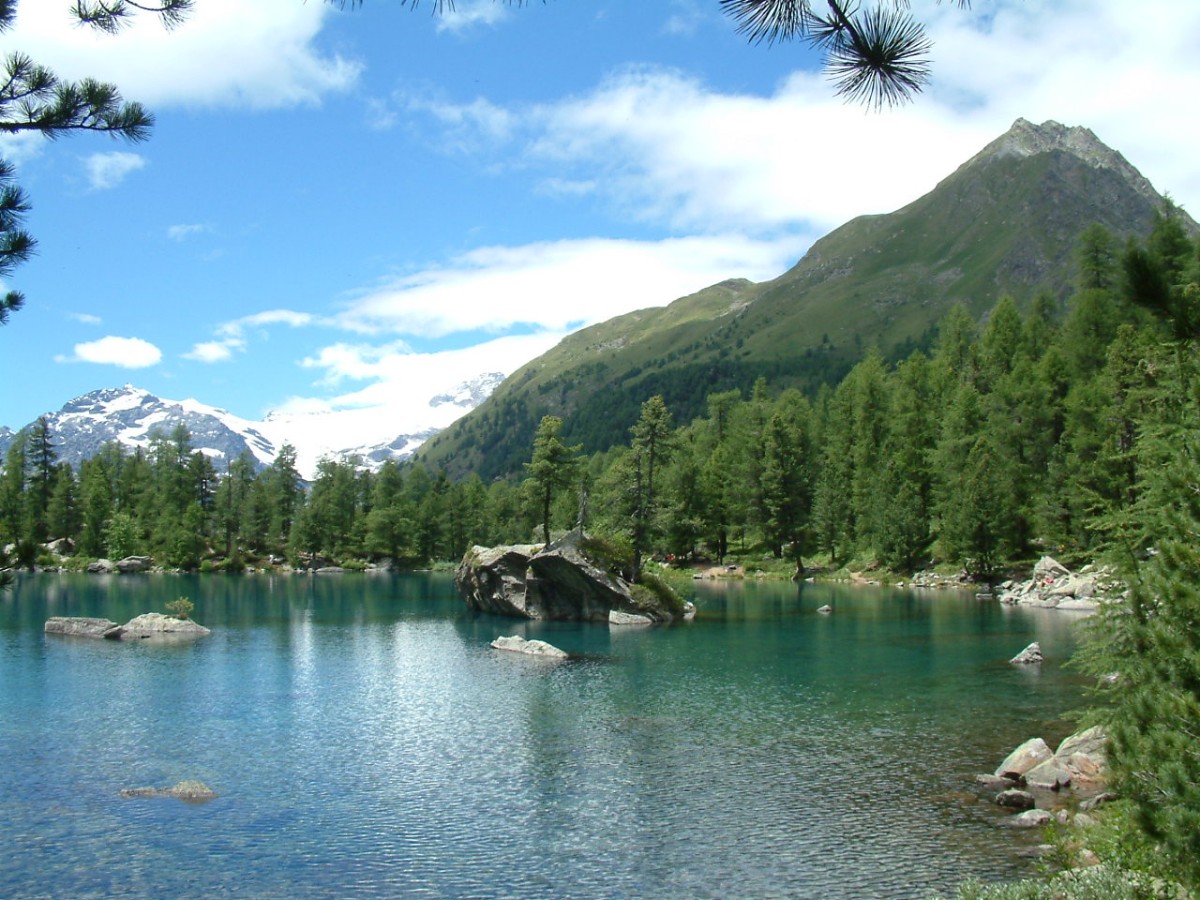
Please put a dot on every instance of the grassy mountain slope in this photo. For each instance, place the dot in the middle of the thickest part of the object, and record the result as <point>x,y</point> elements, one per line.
<point>1006,222</point>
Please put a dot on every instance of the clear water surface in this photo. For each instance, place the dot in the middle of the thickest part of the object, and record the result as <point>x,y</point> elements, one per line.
<point>365,741</point>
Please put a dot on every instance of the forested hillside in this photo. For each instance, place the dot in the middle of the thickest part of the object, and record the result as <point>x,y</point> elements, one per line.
<point>1004,440</point>
<point>1006,223</point>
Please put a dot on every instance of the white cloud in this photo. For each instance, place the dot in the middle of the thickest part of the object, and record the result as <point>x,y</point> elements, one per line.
<point>183,232</point>
<point>559,285</point>
<point>107,170</point>
<point>660,146</point>
<point>214,351</point>
<point>232,336</point>
<point>127,353</point>
<point>238,327</point>
<point>472,14</point>
<point>86,318</point>
<point>227,53</point>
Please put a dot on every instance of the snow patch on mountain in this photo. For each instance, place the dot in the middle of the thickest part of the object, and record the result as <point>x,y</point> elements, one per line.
<point>368,436</point>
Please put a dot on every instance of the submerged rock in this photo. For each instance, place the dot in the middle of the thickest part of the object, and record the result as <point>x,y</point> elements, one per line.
<point>192,791</point>
<point>1031,818</point>
<point>1014,798</point>
<point>518,644</point>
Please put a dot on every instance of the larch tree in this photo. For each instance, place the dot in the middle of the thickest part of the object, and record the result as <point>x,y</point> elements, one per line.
<point>652,445</point>
<point>552,469</point>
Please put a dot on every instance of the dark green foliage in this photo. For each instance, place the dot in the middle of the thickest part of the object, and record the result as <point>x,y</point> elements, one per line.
<point>552,469</point>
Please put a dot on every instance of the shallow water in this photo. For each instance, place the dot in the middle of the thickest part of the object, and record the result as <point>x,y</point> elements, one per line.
<point>365,741</point>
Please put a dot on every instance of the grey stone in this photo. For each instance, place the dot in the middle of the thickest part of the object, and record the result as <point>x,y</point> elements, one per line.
<point>1052,775</point>
<point>1032,818</point>
<point>101,567</point>
<point>1031,655</point>
<point>557,581</point>
<point>518,644</point>
<point>161,626</point>
<point>1015,798</point>
<point>617,617</point>
<point>82,626</point>
<point>132,565</point>
<point>1033,752</point>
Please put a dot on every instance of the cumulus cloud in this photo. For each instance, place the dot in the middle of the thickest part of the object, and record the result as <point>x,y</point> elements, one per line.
<point>233,336</point>
<point>124,352</point>
<point>560,284</point>
<point>660,146</point>
<point>107,170</point>
<point>214,351</point>
<point>472,14</point>
<point>401,380</point>
<point>227,53</point>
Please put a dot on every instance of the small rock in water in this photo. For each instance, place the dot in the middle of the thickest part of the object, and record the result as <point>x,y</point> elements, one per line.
<point>1033,818</point>
<point>518,644</point>
<point>826,609</point>
<point>1031,655</point>
<point>1015,799</point>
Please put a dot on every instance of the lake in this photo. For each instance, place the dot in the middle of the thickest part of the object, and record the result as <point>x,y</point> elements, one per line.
<point>365,741</point>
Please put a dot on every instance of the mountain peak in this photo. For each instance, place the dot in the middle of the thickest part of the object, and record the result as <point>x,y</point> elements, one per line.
<point>1026,139</point>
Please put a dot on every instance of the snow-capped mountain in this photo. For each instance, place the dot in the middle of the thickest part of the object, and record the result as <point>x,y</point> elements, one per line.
<point>134,416</point>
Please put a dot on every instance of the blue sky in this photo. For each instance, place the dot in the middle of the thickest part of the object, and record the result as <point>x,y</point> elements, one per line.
<point>349,209</point>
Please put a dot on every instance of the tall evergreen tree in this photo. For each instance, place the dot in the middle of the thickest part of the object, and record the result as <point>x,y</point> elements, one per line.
<point>652,445</point>
<point>552,469</point>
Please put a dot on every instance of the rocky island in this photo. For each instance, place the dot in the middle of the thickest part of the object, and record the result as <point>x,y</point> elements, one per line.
<point>563,580</point>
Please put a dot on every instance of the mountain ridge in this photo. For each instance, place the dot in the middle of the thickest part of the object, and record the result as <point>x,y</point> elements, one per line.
<point>1006,221</point>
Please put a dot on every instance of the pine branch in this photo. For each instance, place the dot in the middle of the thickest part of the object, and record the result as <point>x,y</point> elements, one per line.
<point>112,15</point>
<point>877,57</point>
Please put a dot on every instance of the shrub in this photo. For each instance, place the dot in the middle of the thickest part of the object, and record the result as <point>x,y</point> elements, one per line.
<point>181,608</point>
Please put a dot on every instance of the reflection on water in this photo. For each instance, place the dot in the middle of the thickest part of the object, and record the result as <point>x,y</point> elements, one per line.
<point>365,741</point>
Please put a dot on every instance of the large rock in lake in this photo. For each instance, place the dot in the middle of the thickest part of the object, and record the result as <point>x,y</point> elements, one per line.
<point>159,625</point>
<point>556,581</point>
<point>82,626</point>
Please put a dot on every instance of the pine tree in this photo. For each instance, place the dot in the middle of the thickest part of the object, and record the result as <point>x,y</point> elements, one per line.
<point>552,469</point>
<point>652,445</point>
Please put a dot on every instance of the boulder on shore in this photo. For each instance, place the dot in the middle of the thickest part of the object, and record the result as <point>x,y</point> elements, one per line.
<point>1054,586</point>
<point>1078,764</point>
<point>134,564</point>
<point>557,581</point>
<point>518,644</point>
<point>1032,753</point>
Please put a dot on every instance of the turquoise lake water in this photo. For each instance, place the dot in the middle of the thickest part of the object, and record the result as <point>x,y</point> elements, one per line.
<point>365,741</point>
